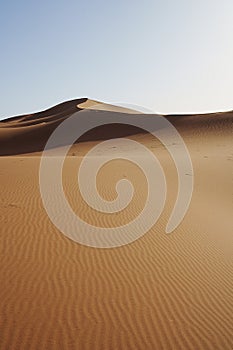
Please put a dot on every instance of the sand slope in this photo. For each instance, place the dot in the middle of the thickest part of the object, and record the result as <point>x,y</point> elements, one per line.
<point>29,133</point>
<point>160,292</point>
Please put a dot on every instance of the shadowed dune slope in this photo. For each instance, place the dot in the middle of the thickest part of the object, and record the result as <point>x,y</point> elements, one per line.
<point>29,133</point>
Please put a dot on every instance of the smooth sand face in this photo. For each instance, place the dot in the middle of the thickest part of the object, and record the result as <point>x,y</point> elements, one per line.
<point>160,292</point>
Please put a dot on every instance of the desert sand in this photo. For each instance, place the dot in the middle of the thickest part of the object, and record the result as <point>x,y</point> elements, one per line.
<point>160,292</point>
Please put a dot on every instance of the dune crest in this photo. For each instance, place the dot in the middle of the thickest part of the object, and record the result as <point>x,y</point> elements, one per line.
<point>29,133</point>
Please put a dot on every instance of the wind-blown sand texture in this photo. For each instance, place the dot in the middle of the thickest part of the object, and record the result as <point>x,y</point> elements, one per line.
<point>160,292</point>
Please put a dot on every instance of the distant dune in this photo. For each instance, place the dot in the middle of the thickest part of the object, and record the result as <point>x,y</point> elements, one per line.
<point>29,133</point>
<point>160,292</point>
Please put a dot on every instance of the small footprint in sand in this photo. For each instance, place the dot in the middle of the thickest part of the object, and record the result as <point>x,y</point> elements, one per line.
<point>13,205</point>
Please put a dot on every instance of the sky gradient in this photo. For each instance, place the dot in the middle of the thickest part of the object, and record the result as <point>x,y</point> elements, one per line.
<point>171,56</point>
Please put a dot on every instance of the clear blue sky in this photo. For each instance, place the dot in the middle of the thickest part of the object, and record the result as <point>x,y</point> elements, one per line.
<point>167,55</point>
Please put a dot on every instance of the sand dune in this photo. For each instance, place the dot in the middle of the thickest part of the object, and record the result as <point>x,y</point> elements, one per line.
<point>29,133</point>
<point>160,292</point>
